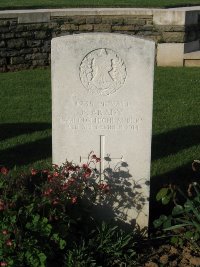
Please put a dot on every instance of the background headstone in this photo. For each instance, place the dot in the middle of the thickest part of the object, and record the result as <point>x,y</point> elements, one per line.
<point>102,92</point>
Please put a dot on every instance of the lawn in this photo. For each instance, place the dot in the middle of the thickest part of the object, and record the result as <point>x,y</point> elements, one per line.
<point>13,4</point>
<point>25,131</point>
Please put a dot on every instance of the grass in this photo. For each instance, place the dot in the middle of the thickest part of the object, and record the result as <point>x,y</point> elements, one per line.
<point>25,129</point>
<point>17,4</point>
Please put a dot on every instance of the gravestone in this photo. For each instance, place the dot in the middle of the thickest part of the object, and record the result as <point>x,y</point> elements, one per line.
<point>102,92</point>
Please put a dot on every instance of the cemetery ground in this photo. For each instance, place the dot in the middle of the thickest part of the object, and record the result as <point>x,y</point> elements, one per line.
<point>4,4</point>
<point>25,136</point>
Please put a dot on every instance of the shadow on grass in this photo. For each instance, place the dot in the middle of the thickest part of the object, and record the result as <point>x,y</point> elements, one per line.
<point>175,140</point>
<point>27,153</point>
<point>9,130</point>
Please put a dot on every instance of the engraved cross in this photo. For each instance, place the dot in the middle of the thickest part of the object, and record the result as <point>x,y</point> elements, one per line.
<point>103,157</point>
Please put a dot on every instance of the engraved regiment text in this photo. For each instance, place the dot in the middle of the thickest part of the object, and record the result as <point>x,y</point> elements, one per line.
<point>101,115</point>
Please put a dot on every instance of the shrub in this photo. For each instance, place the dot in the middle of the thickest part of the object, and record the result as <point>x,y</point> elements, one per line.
<point>45,219</point>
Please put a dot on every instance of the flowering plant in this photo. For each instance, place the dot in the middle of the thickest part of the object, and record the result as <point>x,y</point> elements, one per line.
<point>40,211</point>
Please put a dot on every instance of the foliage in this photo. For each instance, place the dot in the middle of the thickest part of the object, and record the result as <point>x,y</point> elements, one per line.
<point>184,220</point>
<point>106,246</point>
<point>45,219</point>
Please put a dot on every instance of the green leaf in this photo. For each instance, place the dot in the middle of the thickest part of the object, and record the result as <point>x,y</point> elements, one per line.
<point>175,240</point>
<point>62,244</point>
<point>189,234</point>
<point>177,226</point>
<point>178,209</point>
<point>166,199</point>
<point>162,193</point>
<point>42,258</point>
<point>157,223</point>
<point>168,222</point>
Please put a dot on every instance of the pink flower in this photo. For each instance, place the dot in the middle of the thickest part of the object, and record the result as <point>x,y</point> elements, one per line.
<point>74,200</point>
<point>48,192</point>
<point>98,159</point>
<point>3,263</point>
<point>104,187</point>
<point>55,202</point>
<point>5,232</point>
<point>45,171</point>
<point>34,172</point>
<point>55,174</point>
<point>9,243</point>
<point>4,170</point>
<point>85,166</point>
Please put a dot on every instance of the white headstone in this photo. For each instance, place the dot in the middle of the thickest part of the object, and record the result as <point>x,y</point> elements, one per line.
<point>102,92</point>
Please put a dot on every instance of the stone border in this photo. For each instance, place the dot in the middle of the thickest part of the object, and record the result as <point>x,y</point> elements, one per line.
<point>171,16</point>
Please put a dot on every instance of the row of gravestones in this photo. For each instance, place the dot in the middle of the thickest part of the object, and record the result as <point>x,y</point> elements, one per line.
<point>102,93</point>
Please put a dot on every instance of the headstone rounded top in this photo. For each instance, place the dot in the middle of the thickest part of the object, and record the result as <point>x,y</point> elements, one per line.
<point>102,71</point>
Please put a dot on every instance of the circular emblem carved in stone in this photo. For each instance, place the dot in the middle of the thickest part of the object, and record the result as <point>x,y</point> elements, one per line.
<point>102,71</point>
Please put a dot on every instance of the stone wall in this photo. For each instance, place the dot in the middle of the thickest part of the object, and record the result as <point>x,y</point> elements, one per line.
<point>25,36</point>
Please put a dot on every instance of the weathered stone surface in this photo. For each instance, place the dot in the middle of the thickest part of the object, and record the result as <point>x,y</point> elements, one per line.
<point>2,61</point>
<point>114,20</point>
<point>2,44</point>
<point>17,60</point>
<point>16,43</point>
<point>41,35</point>
<point>77,20</point>
<point>173,37</point>
<point>34,43</point>
<point>170,28</point>
<point>93,19</point>
<point>26,51</point>
<point>134,21</point>
<point>109,112</point>
<point>123,28</point>
<point>69,27</point>
<point>86,27</point>
<point>4,29</point>
<point>36,56</point>
<point>28,34</point>
<point>40,62</point>
<point>102,28</point>
<point>7,35</point>
<point>4,22</point>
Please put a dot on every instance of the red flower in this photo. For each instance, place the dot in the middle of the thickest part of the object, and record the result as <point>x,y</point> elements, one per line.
<point>34,172</point>
<point>71,168</point>
<point>98,159</point>
<point>55,202</point>
<point>55,166</point>
<point>55,174</point>
<point>2,205</point>
<point>85,166</point>
<point>5,232</point>
<point>65,186</point>
<point>104,187</point>
<point>48,192</point>
<point>87,173</point>
<point>4,170</point>
<point>9,243</point>
<point>74,200</point>
<point>3,263</point>
<point>45,171</point>
<point>95,158</point>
